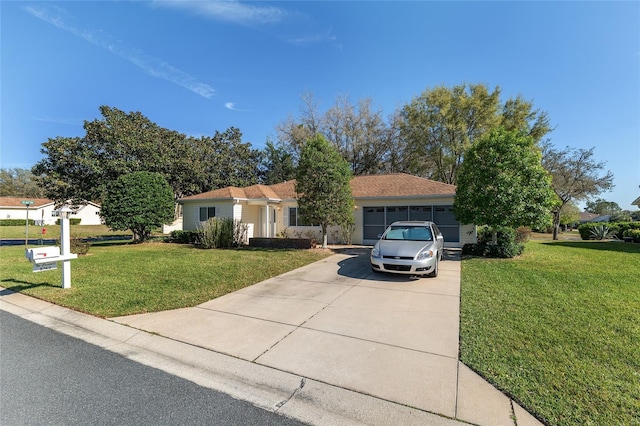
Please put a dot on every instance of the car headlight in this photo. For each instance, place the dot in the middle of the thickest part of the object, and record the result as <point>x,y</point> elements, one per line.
<point>427,254</point>
<point>375,252</point>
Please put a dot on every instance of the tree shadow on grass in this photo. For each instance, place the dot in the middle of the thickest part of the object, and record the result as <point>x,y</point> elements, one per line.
<point>16,286</point>
<point>616,246</point>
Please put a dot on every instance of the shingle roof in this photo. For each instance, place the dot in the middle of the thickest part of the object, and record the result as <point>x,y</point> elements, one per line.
<point>17,202</point>
<point>372,186</point>
<point>397,185</point>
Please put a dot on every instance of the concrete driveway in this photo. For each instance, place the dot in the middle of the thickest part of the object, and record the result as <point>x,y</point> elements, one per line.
<point>337,322</point>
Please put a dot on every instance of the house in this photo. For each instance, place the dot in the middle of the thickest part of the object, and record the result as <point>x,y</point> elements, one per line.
<point>272,210</point>
<point>593,217</point>
<point>636,202</point>
<point>43,211</point>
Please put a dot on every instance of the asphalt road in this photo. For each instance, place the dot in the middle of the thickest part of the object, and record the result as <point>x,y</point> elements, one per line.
<point>49,378</point>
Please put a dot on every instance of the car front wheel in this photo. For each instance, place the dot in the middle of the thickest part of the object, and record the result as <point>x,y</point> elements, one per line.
<point>434,273</point>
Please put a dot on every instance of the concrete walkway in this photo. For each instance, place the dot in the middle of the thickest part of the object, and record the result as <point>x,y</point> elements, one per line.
<point>329,343</point>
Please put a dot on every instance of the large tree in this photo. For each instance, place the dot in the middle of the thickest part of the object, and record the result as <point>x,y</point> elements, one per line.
<point>138,201</point>
<point>83,168</point>
<point>502,183</point>
<point>442,123</point>
<point>576,176</point>
<point>276,164</point>
<point>323,186</point>
<point>19,183</point>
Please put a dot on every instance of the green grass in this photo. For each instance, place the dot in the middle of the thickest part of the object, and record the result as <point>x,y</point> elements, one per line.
<point>558,329</point>
<point>122,279</point>
<point>53,231</point>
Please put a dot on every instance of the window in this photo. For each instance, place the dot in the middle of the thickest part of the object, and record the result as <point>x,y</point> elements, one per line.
<point>206,213</point>
<point>294,219</point>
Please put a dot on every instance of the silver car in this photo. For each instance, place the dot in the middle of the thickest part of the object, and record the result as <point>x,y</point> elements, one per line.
<point>410,248</point>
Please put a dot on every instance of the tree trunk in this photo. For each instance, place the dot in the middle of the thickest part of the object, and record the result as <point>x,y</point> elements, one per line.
<point>556,223</point>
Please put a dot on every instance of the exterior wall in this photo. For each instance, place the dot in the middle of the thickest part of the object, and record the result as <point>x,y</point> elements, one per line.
<point>468,234</point>
<point>39,214</point>
<point>191,212</point>
<point>88,214</point>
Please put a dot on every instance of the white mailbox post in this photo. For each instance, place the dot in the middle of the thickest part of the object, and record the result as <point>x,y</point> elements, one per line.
<point>47,258</point>
<point>65,246</point>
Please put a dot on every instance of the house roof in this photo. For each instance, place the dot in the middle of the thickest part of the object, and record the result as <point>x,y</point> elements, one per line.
<point>17,202</point>
<point>371,186</point>
<point>636,202</point>
<point>397,185</point>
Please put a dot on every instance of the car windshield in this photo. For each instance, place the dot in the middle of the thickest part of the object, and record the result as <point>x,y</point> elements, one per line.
<point>409,233</point>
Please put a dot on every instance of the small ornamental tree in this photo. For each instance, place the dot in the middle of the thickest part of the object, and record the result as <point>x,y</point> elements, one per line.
<point>502,183</point>
<point>138,201</point>
<point>323,186</point>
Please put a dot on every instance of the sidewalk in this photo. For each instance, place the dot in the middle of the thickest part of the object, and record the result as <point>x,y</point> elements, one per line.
<point>329,343</point>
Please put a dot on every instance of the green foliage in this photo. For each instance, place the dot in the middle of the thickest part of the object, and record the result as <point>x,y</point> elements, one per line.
<point>503,184</point>
<point>83,168</point>
<point>19,183</point>
<point>221,233</point>
<point>621,227</point>
<point>323,186</point>
<point>507,245</point>
<point>72,221</point>
<point>277,164</point>
<point>602,207</point>
<point>183,237</point>
<point>442,123</point>
<point>138,201</point>
<point>632,233</point>
<point>16,222</point>
<point>601,232</point>
<point>616,229</point>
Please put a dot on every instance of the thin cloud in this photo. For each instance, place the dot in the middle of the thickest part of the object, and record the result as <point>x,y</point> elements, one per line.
<point>231,11</point>
<point>59,121</point>
<point>151,65</point>
<point>312,39</point>
<point>232,106</point>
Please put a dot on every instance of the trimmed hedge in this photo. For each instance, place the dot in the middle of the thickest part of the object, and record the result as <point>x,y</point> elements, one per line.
<point>632,233</point>
<point>616,227</point>
<point>16,222</point>
<point>182,237</point>
<point>72,221</point>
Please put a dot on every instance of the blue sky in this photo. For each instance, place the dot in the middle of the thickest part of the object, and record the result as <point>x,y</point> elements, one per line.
<point>198,67</point>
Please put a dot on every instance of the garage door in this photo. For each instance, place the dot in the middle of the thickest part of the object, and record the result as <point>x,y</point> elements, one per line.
<point>377,218</point>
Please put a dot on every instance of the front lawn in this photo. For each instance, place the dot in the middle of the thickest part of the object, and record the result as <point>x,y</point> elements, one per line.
<point>123,279</point>
<point>558,329</point>
<point>53,231</point>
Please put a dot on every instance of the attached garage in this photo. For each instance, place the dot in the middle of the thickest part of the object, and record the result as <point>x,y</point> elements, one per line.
<point>376,219</point>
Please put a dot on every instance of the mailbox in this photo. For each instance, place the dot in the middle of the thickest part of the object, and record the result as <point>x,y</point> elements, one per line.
<point>43,254</point>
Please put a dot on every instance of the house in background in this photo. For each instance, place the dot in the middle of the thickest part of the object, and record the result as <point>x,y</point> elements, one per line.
<point>43,211</point>
<point>271,210</point>
<point>593,217</point>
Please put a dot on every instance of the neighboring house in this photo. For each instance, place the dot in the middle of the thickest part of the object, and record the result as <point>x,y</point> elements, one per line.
<point>271,210</point>
<point>43,211</point>
<point>593,217</point>
<point>636,202</point>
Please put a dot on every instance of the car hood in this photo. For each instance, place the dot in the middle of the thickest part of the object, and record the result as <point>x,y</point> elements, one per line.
<point>402,248</point>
